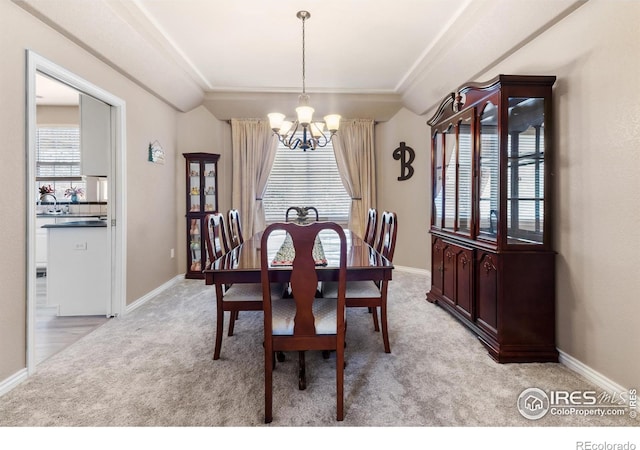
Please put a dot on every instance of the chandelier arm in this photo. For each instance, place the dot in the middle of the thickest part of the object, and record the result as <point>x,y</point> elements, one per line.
<point>290,139</point>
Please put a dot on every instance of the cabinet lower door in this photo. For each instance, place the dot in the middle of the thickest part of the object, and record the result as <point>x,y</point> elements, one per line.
<point>196,260</point>
<point>464,281</point>
<point>487,292</point>
<point>458,278</point>
<point>437,266</point>
<point>449,274</point>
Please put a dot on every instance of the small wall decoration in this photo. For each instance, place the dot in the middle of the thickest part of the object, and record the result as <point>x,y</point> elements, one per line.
<point>156,153</point>
<point>406,155</point>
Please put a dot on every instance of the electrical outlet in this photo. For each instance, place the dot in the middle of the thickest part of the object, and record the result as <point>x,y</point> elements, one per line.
<point>173,253</point>
<point>80,246</point>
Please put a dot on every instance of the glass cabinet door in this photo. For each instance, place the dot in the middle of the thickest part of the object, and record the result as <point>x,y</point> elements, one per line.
<point>488,169</point>
<point>450,177</point>
<point>194,187</point>
<point>195,245</point>
<point>465,175</point>
<point>438,180</point>
<point>210,187</point>
<point>525,171</point>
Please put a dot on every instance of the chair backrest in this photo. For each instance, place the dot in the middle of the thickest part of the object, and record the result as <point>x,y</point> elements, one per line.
<point>216,236</point>
<point>372,223</point>
<point>301,213</point>
<point>386,244</point>
<point>304,278</point>
<point>235,228</point>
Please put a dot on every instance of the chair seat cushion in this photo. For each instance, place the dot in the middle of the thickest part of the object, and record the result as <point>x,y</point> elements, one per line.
<point>324,312</point>
<point>355,289</point>
<point>251,292</point>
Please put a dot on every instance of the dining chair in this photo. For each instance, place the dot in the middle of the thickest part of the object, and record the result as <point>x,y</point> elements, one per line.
<point>303,322</point>
<point>373,294</point>
<point>372,223</point>
<point>235,297</point>
<point>216,236</point>
<point>235,228</point>
<point>302,212</point>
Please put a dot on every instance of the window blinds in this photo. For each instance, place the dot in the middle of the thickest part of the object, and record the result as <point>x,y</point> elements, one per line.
<point>310,178</point>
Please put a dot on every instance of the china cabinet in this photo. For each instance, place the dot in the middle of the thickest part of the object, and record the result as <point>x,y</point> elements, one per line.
<point>493,266</point>
<point>202,199</point>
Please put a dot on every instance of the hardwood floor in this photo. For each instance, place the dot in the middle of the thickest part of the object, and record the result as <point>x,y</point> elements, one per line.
<point>54,333</point>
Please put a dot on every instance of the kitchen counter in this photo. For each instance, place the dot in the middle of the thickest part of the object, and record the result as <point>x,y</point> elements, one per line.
<point>68,215</point>
<point>78,267</point>
<point>77,224</point>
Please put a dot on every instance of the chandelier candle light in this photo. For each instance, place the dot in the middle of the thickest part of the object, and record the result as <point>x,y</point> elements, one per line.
<point>313,133</point>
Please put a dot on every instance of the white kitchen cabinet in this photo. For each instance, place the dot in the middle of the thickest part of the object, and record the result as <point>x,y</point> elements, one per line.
<point>41,243</point>
<point>78,273</point>
<point>95,136</point>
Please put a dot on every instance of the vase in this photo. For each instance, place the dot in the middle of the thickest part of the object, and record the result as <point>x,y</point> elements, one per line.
<point>74,198</point>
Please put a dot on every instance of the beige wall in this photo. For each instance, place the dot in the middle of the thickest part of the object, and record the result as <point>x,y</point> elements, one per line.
<point>594,54</point>
<point>150,197</point>
<point>597,186</point>
<point>200,131</point>
<point>58,115</point>
<point>408,198</point>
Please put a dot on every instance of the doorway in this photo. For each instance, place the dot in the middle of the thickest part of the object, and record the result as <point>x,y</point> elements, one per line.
<point>113,213</point>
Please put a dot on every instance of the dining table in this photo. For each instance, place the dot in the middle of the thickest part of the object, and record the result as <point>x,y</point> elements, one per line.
<point>242,263</point>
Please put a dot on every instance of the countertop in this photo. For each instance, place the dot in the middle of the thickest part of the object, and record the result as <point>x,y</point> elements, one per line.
<point>72,215</point>
<point>78,224</point>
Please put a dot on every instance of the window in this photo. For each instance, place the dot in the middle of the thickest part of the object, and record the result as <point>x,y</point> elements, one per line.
<point>310,178</point>
<point>58,158</point>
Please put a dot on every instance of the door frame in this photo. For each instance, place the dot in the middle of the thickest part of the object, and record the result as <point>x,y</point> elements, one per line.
<point>116,208</point>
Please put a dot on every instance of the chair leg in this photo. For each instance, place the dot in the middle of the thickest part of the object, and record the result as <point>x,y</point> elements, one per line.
<point>374,315</point>
<point>302,372</point>
<point>268,385</point>
<point>219,324</point>
<point>385,330</point>
<point>233,316</point>
<point>340,363</point>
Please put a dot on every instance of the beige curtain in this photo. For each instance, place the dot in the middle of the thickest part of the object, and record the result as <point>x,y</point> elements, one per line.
<point>355,157</point>
<point>254,149</point>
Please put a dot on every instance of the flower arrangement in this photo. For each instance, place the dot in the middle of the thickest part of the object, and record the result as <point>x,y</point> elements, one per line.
<point>73,191</point>
<point>46,189</point>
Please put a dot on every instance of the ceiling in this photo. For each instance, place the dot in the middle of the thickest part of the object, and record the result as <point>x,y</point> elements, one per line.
<point>243,58</point>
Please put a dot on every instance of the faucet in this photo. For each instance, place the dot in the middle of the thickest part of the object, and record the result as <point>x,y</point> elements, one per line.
<point>55,202</point>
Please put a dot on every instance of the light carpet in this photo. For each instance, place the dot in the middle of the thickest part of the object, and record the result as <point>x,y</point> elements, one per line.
<point>154,367</point>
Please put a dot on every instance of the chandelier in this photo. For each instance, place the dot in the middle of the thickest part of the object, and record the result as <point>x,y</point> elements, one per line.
<point>313,133</point>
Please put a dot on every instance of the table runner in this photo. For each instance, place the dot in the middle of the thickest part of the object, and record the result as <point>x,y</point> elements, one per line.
<point>286,253</point>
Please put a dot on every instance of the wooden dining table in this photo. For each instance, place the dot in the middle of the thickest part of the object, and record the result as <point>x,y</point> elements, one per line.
<point>242,264</point>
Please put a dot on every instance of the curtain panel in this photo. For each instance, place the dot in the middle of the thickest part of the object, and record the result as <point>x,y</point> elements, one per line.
<point>254,149</point>
<point>355,156</point>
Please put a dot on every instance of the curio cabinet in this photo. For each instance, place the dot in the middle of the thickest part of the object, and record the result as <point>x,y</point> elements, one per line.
<point>493,264</point>
<point>202,199</point>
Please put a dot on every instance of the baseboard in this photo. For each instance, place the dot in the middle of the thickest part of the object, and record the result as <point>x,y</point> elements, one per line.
<point>14,380</point>
<point>593,376</point>
<point>145,298</point>
<point>413,270</point>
